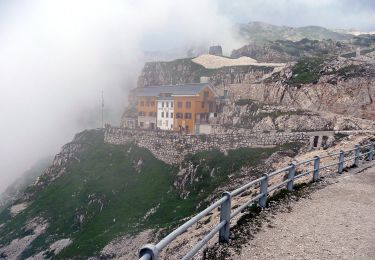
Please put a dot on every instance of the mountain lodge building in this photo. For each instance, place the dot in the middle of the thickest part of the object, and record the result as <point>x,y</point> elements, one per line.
<point>181,108</point>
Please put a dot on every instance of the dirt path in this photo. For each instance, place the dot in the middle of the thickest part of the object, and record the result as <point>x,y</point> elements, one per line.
<point>338,222</point>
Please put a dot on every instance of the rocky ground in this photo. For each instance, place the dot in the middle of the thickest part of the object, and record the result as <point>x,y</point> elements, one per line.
<point>333,223</point>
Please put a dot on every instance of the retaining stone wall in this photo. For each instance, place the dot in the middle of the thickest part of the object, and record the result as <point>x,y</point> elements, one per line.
<point>172,147</point>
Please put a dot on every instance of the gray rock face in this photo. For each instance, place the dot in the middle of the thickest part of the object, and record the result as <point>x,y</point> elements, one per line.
<point>185,71</point>
<point>344,87</point>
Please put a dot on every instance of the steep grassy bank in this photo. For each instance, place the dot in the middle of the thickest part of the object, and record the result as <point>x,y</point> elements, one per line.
<point>108,191</point>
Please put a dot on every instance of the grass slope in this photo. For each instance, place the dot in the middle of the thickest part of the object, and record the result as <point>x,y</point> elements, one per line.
<point>105,195</point>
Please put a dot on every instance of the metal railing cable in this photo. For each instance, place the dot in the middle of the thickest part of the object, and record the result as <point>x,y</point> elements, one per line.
<point>151,252</point>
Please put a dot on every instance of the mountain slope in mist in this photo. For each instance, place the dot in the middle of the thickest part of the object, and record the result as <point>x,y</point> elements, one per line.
<point>287,51</point>
<point>261,32</point>
<point>15,190</point>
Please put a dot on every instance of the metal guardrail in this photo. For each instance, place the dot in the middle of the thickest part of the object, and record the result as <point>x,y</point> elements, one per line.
<point>151,252</point>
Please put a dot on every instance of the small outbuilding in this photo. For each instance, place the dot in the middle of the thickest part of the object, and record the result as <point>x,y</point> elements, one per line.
<point>216,50</point>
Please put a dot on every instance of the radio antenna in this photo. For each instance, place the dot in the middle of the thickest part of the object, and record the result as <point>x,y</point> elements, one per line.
<point>102,108</point>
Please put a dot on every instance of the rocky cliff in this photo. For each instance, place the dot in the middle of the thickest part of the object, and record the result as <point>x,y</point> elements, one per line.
<point>339,85</point>
<point>258,116</point>
<point>186,71</point>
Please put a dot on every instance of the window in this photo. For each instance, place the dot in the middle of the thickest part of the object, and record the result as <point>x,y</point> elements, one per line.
<point>141,124</point>
<point>142,103</point>
<point>150,113</point>
<point>188,115</point>
<point>171,115</point>
<point>188,104</point>
<point>205,94</point>
<point>141,113</point>
<point>166,114</point>
<point>162,114</point>
<point>172,104</point>
<point>179,115</point>
<point>202,104</point>
<point>179,104</point>
<point>166,104</point>
<point>162,104</point>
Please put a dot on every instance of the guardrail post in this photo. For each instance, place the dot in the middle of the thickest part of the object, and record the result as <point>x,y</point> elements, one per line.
<point>225,215</point>
<point>371,152</point>
<point>341,162</point>
<point>263,190</point>
<point>150,250</point>
<point>356,157</point>
<point>291,173</point>
<point>316,168</point>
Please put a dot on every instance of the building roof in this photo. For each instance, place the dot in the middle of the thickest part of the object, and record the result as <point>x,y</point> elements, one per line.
<point>165,98</point>
<point>174,90</point>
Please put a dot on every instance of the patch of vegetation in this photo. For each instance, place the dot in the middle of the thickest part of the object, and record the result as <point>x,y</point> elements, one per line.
<point>244,102</point>
<point>350,71</point>
<point>306,71</point>
<point>224,165</point>
<point>340,136</point>
<point>5,215</point>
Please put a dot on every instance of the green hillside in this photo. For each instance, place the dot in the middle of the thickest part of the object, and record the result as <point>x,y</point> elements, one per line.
<point>112,192</point>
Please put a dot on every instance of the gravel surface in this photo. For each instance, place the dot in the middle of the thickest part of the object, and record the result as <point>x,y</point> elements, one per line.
<point>337,222</point>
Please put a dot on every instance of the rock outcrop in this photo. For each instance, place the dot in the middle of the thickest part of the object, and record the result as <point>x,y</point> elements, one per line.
<point>344,87</point>
<point>186,71</point>
<point>68,154</point>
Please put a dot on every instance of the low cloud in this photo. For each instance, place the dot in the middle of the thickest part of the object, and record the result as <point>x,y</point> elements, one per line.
<point>56,57</point>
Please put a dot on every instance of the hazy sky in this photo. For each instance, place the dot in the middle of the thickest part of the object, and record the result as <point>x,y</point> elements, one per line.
<point>359,14</point>
<point>56,56</point>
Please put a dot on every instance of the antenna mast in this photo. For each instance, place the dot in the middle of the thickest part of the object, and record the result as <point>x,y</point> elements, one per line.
<point>102,109</point>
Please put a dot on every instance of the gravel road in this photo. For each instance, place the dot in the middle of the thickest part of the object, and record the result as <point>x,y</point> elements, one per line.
<point>338,222</point>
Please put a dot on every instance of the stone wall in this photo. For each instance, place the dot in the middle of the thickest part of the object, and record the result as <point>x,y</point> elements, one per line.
<point>172,147</point>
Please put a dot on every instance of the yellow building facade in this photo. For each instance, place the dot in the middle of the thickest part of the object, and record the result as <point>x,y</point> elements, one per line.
<point>193,104</point>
